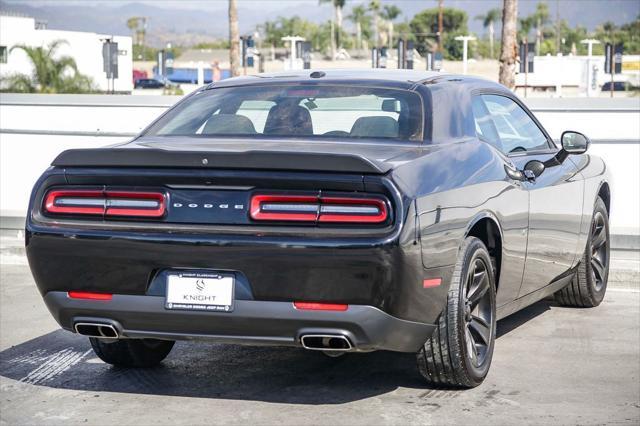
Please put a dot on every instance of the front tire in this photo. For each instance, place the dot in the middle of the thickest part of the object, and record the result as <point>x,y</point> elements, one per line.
<point>460,350</point>
<point>138,353</point>
<point>589,285</point>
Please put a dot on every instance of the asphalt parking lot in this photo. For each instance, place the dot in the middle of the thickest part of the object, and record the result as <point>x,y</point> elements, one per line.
<point>552,365</point>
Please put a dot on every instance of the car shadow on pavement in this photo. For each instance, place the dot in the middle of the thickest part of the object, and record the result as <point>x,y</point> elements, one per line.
<point>206,370</point>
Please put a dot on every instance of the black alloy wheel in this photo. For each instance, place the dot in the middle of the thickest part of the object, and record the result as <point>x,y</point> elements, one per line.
<point>459,352</point>
<point>589,285</point>
<point>599,251</point>
<point>478,313</point>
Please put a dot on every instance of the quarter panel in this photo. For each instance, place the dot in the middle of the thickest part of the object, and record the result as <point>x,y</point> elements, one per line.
<point>457,185</point>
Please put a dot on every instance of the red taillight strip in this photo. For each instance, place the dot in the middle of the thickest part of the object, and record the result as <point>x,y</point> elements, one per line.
<point>354,216</point>
<point>257,212</point>
<point>107,203</point>
<point>129,210</point>
<point>314,306</point>
<point>318,209</point>
<point>88,295</point>
<point>51,207</point>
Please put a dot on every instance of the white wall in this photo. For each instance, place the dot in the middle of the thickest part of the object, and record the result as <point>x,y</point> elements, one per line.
<point>85,48</point>
<point>613,124</point>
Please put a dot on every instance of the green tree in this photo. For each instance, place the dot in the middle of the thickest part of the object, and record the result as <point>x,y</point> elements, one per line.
<point>318,35</point>
<point>541,19</point>
<point>424,25</point>
<point>525,25</point>
<point>390,13</point>
<point>374,8</point>
<point>151,54</point>
<point>338,5</point>
<point>51,73</point>
<point>488,20</point>
<point>362,21</point>
<point>628,34</point>
<point>132,24</point>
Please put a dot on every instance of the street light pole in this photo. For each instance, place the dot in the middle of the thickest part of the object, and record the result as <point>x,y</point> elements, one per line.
<point>465,44</point>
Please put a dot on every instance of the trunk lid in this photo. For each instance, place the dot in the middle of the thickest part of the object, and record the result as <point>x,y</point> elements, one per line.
<point>296,155</point>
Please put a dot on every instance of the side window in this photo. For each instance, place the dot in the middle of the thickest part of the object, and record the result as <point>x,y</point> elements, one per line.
<point>516,131</point>
<point>485,128</point>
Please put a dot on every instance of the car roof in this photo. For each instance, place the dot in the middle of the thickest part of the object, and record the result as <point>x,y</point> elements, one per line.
<point>387,77</point>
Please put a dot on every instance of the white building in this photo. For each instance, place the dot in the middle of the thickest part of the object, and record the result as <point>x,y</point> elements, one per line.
<point>85,48</point>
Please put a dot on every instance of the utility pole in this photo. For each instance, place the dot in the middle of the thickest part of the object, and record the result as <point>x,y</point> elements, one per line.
<point>465,41</point>
<point>440,29</point>
<point>557,26</point>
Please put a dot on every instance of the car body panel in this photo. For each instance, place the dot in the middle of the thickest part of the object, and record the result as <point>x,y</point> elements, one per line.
<point>555,218</point>
<point>438,192</point>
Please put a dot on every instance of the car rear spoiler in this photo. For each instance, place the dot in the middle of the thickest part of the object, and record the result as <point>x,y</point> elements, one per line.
<point>264,160</point>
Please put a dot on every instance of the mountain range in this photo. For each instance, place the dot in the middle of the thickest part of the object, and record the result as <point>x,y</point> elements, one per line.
<point>188,22</point>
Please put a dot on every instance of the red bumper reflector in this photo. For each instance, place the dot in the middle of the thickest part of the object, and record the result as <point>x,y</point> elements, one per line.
<point>87,295</point>
<point>431,282</point>
<point>311,306</point>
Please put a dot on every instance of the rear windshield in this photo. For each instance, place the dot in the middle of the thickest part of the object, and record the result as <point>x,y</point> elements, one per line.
<point>283,111</point>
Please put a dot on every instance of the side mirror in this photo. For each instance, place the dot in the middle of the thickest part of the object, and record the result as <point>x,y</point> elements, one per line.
<point>574,142</point>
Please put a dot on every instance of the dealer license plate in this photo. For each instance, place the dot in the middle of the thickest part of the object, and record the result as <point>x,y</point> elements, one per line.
<point>200,291</point>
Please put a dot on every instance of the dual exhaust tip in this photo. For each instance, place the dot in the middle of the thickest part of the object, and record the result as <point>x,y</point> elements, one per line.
<point>96,329</point>
<point>313,342</point>
<point>326,342</point>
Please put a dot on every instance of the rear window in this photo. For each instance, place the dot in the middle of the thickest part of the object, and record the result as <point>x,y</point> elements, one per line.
<point>283,111</point>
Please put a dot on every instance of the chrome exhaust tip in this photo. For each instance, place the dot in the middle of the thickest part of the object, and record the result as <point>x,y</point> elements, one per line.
<point>326,342</point>
<point>96,329</point>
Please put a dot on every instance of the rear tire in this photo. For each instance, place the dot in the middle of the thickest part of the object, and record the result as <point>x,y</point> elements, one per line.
<point>459,352</point>
<point>589,285</point>
<point>138,353</point>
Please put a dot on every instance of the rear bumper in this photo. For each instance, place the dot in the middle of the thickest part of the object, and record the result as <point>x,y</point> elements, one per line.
<point>252,322</point>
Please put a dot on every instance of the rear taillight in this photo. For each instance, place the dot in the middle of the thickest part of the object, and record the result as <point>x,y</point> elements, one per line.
<point>105,203</point>
<point>309,208</point>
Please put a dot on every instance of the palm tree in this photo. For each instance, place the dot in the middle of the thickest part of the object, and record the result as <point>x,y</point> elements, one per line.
<point>374,7</point>
<point>234,39</point>
<point>509,46</point>
<point>360,18</point>
<point>491,16</point>
<point>390,13</point>
<point>541,18</point>
<point>526,24</point>
<point>50,75</point>
<point>338,5</point>
<point>132,24</point>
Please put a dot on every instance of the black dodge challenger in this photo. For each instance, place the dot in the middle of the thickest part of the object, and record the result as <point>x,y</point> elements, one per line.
<point>334,211</point>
